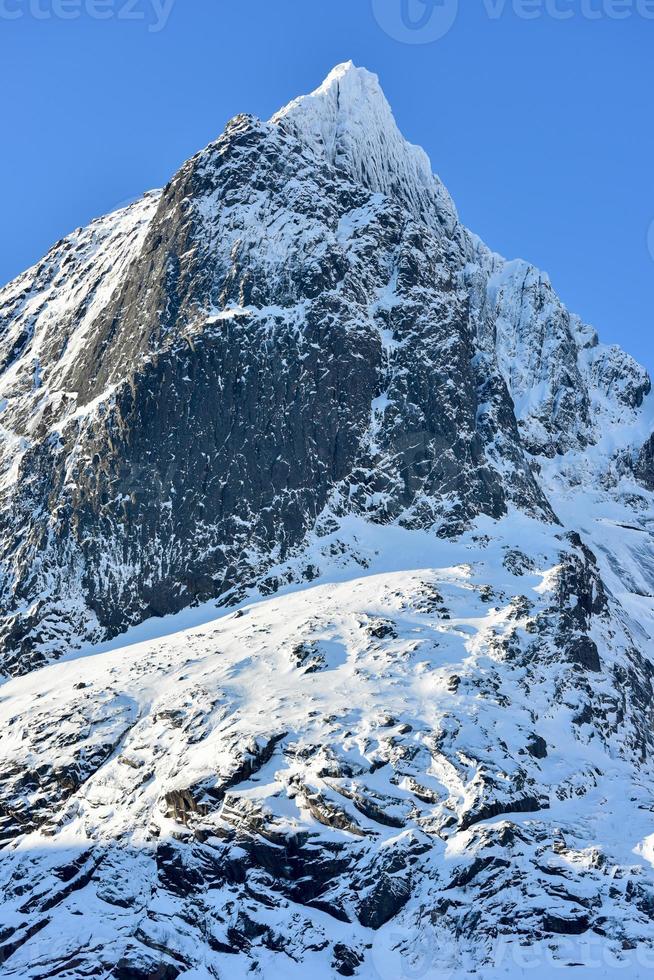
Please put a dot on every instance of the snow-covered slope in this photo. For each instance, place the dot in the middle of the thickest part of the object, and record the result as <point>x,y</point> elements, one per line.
<point>48,313</point>
<point>566,386</point>
<point>339,528</point>
<point>407,769</point>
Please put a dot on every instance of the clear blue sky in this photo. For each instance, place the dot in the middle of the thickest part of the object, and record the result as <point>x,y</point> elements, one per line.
<point>542,128</point>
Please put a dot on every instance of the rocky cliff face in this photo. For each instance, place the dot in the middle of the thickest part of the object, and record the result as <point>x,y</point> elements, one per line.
<point>294,365</point>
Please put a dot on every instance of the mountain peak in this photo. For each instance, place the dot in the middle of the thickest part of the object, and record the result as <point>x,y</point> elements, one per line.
<point>349,103</point>
<point>347,69</point>
<point>346,88</point>
<point>349,120</point>
<point>347,82</point>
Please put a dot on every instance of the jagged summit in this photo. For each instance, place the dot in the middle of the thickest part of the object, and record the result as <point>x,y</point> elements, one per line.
<point>348,94</point>
<point>348,117</point>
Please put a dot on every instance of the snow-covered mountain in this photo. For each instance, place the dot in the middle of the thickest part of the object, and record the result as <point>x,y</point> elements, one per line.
<point>326,584</point>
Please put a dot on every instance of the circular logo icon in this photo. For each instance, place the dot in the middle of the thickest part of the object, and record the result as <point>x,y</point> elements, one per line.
<point>402,953</point>
<point>416,21</point>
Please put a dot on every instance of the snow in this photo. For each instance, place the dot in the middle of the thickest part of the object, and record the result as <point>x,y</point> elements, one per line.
<point>230,675</point>
<point>349,120</point>
<point>55,305</point>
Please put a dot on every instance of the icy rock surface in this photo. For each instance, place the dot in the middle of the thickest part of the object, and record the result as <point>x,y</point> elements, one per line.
<point>375,511</point>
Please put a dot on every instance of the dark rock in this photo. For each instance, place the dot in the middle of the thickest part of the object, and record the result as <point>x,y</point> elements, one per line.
<point>386,897</point>
<point>308,657</point>
<point>537,747</point>
<point>382,630</point>
<point>346,960</point>
<point>574,925</point>
<point>644,466</point>
<point>524,804</point>
<point>126,969</point>
<point>583,651</point>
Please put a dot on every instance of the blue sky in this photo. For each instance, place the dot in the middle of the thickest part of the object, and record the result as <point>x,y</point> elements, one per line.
<point>537,114</point>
